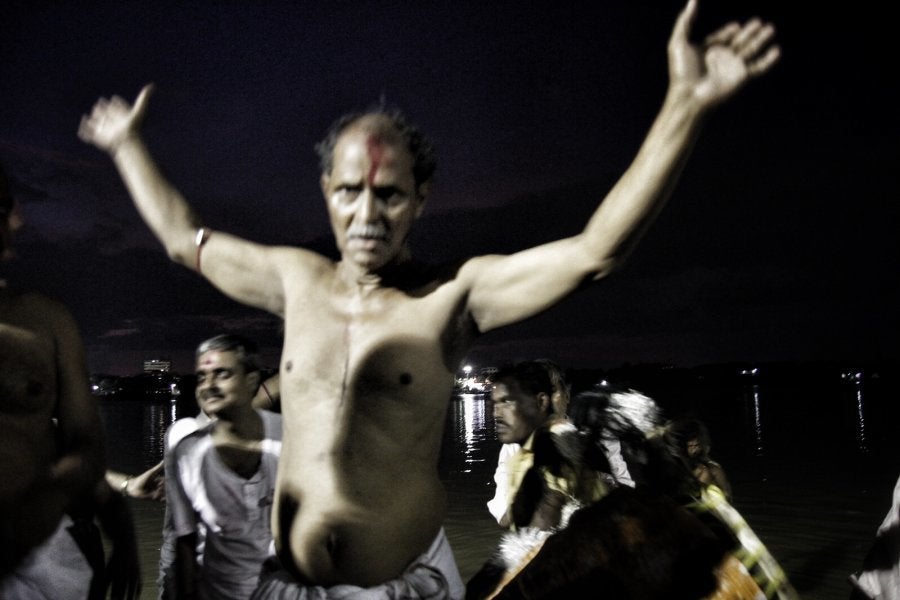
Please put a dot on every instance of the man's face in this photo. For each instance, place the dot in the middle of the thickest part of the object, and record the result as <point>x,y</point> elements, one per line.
<point>372,196</point>
<point>222,384</point>
<point>694,448</point>
<point>517,413</point>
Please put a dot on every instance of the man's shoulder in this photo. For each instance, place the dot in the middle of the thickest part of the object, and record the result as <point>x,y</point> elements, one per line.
<point>272,423</point>
<point>184,434</point>
<point>303,259</point>
<point>423,276</point>
<point>29,306</point>
<point>270,415</point>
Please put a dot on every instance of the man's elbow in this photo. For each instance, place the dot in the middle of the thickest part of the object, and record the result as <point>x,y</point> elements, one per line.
<point>181,255</point>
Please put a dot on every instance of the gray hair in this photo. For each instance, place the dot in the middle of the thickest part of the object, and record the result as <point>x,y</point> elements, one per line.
<point>244,348</point>
<point>419,147</point>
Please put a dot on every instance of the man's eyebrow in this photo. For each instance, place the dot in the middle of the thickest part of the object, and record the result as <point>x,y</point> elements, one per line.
<point>351,182</point>
<point>388,190</point>
<point>216,370</point>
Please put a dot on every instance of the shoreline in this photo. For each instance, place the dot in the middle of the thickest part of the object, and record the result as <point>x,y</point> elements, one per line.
<point>817,519</point>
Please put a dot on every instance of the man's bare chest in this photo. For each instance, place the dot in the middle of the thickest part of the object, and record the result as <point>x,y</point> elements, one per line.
<point>385,341</point>
<point>377,314</point>
<point>27,368</point>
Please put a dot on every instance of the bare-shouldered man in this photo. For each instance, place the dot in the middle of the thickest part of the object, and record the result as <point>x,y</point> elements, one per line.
<point>372,341</point>
<point>51,444</point>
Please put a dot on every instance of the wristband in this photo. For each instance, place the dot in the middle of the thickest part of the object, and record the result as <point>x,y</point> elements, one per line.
<point>123,489</point>
<point>199,241</point>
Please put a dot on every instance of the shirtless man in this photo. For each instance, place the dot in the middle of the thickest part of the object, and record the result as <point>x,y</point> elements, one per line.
<point>41,362</point>
<point>372,341</point>
<point>51,448</point>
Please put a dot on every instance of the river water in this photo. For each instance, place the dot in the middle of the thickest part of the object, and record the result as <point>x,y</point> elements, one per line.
<point>812,456</point>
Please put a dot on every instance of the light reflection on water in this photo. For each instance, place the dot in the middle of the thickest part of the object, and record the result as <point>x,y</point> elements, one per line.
<point>764,420</point>
<point>757,428</point>
<point>753,399</point>
<point>857,392</point>
<point>469,435</point>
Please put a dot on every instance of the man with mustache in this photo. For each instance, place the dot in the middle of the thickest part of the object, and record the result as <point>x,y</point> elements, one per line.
<point>372,341</point>
<point>523,407</point>
<point>220,478</point>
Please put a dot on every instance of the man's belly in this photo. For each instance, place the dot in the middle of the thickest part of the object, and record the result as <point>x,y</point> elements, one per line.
<point>326,538</point>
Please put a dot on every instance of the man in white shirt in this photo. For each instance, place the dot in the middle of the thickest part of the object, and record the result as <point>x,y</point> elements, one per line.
<point>220,478</point>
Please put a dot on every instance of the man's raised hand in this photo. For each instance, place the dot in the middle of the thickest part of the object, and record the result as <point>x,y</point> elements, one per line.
<point>113,121</point>
<point>728,58</point>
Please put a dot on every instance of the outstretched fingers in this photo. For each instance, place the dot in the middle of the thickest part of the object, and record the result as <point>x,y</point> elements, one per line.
<point>756,49</point>
<point>760,65</point>
<point>724,35</point>
<point>750,42</point>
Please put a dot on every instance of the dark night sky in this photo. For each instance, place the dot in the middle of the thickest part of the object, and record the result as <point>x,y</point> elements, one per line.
<point>780,242</point>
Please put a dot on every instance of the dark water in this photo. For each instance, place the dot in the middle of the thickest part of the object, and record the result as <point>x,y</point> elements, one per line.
<point>812,457</point>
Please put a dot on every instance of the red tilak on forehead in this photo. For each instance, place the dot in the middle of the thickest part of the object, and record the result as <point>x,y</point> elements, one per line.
<point>376,148</point>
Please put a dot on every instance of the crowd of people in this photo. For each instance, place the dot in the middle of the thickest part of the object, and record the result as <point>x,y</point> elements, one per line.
<point>322,482</point>
<point>575,527</point>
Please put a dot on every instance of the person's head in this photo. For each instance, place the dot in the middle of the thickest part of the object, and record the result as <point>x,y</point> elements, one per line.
<point>560,397</point>
<point>691,437</point>
<point>611,410</point>
<point>376,176</point>
<point>10,217</point>
<point>227,373</point>
<point>521,395</point>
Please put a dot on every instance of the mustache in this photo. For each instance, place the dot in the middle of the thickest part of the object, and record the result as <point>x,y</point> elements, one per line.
<point>211,393</point>
<point>367,231</point>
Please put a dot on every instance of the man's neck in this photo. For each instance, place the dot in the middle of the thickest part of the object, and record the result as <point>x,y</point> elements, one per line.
<point>245,425</point>
<point>398,273</point>
<point>239,443</point>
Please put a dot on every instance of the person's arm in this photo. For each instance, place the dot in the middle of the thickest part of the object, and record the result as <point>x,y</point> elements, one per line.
<point>617,465</point>
<point>149,485</point>
<point>241,269</point>
<point>499,504</point>
<point>179,537</point>
<point>268,396</point>
<point>79,466</point>
<point>123,566</point>
<point>78,470</point>
<point>167,551</point>
<point>508,289</point>
<point>717,477</point>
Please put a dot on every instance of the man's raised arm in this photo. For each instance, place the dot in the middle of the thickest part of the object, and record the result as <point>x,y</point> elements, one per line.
<point>239,268</point>
<point>509,289</point>
<point>114,126</point>
<point>700,78</point>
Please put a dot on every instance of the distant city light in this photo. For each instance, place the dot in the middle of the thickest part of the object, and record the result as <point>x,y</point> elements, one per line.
<point>471,382</point>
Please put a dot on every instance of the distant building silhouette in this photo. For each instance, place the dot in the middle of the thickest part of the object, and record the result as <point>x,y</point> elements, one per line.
<point>157,364</point>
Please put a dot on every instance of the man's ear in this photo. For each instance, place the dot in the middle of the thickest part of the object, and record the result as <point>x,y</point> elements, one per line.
<point>253,381</point>
<point>324,182</point>
<point>423,190</point>
<point>545,403</point>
